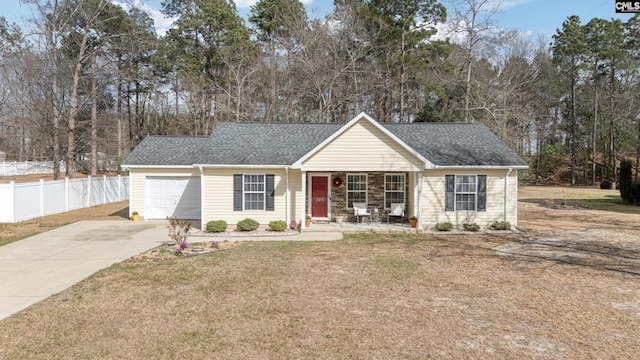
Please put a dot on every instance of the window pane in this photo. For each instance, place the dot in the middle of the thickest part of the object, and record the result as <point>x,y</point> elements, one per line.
<point>394,189</point>
<point>356,189</point>
<point>253,192</point>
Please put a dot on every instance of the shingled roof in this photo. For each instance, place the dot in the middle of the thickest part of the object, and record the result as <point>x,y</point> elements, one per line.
<point>166,150</point>
<point>443,144</point>
<point>456,144</point>
<point>264,143</point>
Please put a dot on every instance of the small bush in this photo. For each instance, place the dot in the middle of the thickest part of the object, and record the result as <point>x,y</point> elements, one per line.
<point>445,226</point>
<point>471,227</point>
<point>278,225</point>
<point>216,226</point>
<point>635,193</point>
<point>501,225</point>
<point>178,230</point>
<point>247,225</point>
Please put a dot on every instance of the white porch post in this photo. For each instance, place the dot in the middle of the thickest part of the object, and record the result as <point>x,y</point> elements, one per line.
<point>203,226</point>
<point>419,180</point>
<point>303,210</point>
<point>286,198</point>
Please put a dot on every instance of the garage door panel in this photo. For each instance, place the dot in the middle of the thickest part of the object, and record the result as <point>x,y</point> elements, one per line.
<point>172,196</point>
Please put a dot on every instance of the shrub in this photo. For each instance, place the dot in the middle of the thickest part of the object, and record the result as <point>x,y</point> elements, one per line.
<point>635,193</point>
<point>501,225</point>
<point>247,225</point>
<point>216,226</point>
<point>179,230</point>
<point>444,226</point>
<point>278,225</point>
<point>471,227</point>
<point>625,181</point>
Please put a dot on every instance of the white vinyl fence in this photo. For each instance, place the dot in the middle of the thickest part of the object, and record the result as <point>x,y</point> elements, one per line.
<point>14,168</point>
<point>24,201</point>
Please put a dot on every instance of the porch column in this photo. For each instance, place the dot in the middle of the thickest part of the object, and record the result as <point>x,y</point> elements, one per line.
<point>419,214</point>
<point>287,208</point>
<point>203,226</point>
<point>303,209</point>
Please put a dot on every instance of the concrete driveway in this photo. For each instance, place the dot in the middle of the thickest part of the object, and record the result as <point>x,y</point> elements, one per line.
<point>39,266</point>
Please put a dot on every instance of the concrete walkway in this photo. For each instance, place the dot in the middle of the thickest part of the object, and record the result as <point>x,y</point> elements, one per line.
<point>37,267</point>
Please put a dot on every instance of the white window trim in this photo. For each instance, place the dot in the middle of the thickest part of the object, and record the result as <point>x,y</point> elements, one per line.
<point>264,198</point>
<point>404,181</point>
<point>366,189</point>
<point>455,192</point>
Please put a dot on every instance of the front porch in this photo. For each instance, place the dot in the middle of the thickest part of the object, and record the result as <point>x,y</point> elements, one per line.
<point>329,198</point>
<point>361,227</point>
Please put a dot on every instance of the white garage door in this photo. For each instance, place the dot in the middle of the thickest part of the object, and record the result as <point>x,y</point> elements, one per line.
<point>172,196</point>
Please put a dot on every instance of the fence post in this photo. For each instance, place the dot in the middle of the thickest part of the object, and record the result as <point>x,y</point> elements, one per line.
<point>104,189</point>
<point>119,185</point>
<point>89,192</point>
<point>12,201</point>
<point>66,193</point>
<point>41,197</point>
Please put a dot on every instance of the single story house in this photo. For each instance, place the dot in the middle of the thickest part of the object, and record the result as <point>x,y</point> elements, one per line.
<point>455,172</point>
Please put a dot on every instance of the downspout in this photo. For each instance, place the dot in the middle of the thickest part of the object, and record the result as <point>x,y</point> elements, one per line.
<point>286,196</point>
<point>506,195</point>
<point>202,222</point>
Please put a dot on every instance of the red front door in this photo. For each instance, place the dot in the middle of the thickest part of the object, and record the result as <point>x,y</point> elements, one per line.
<point>319,196</point>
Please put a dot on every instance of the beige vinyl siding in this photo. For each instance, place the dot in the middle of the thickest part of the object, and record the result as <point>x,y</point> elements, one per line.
<point>433,203</point>
<point>137,178</point>
<point>363,147</point>
<point>218,196</point>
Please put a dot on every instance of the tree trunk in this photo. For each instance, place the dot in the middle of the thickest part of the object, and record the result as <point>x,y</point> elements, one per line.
<point>595,127</point>
<point>55,90</point>
<point>573,144</point>
<point>73,106</point>
<point>94,118</point>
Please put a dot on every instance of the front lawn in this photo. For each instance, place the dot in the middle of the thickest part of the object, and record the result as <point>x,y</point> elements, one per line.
<point>367,296</point>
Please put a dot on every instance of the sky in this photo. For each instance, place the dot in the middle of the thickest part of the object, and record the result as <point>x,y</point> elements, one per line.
<point>531,17</point>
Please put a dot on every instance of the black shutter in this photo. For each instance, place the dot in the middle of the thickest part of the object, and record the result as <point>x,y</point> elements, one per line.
<point>269,193</point>
<point>482,193</point>
<point>237,192</point>
<point>450,195</point>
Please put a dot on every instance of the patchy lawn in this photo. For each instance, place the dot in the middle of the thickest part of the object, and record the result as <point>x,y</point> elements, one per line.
<point>568,287</point>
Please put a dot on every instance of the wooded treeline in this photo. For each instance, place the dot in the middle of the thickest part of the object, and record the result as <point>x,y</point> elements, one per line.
<point>87,79</point>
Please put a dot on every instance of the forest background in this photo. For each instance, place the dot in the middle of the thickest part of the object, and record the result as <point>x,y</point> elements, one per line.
<point>88,79</point>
